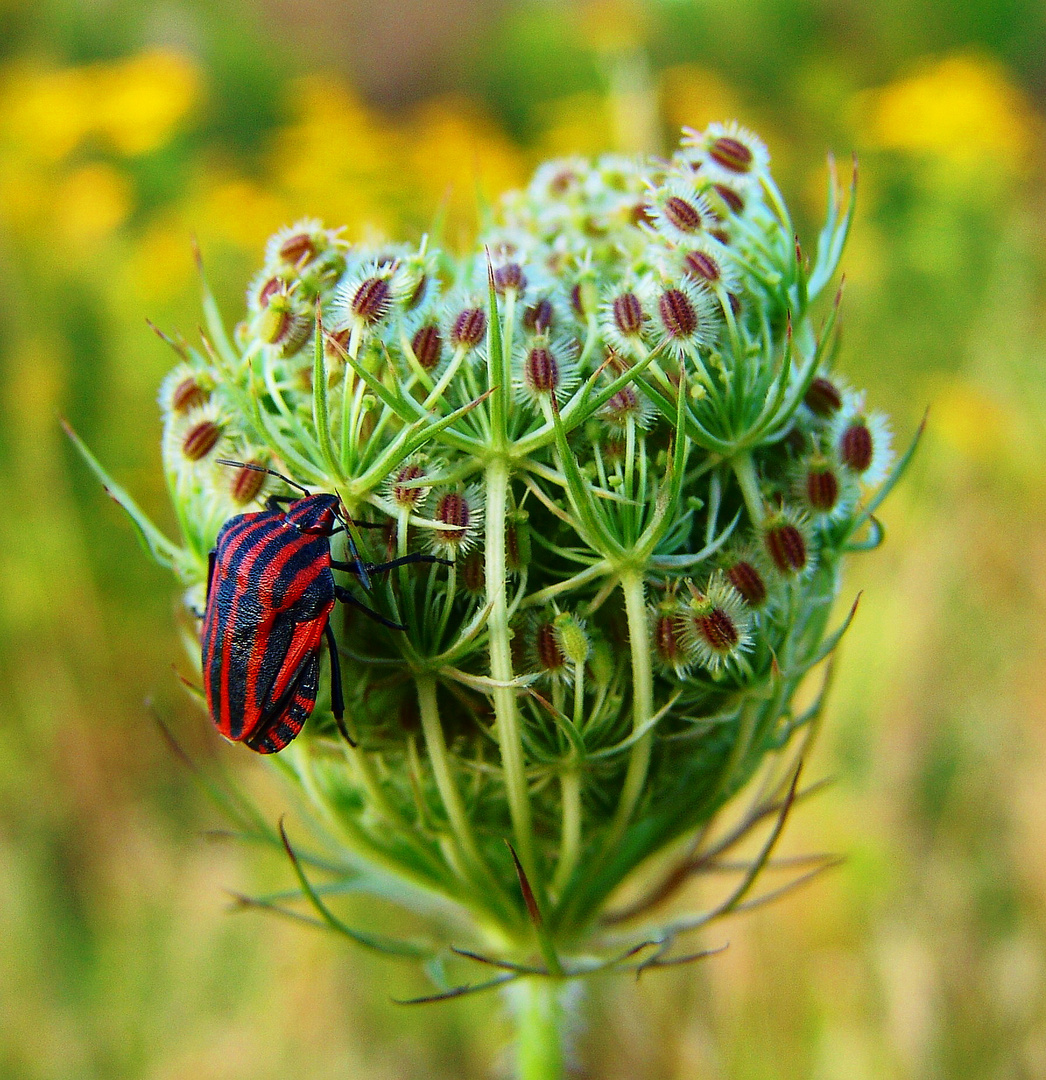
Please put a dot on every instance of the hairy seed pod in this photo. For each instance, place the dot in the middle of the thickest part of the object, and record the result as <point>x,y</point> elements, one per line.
<point>732,154</point>
<point>628,314</point>
<point>201,439</point>
<point>371,300</point>
<point>748,582</point>
<point>786,546</point>
<point>541,373</point>
<point>246,484</point>
<point>547,649</point>
<point>703,267</point>
<point>682,214</point>
<point>822,397</point>
<point>538,318</point>
<point>821,486</point>
<point>509,277</point>
<point>407,498</point>
<point>188,395</point>
<point>469,328</point>
<point>297,249</point>
<point>731,197</point>
<point>427,345</point>
<point>856,447</point>
<point>678,314</point>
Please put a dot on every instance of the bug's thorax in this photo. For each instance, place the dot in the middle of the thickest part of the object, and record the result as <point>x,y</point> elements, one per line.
<point>315,514</point>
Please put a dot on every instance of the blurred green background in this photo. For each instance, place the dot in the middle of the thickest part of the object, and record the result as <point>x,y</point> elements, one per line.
<point>128,126</point>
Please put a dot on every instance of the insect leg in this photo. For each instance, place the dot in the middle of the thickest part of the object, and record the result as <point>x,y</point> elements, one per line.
<point>337,697</point>
<point>407,560</point>
<point>346,597</point>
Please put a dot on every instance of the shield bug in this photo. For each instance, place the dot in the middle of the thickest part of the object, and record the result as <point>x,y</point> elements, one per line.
<point>270,593</point>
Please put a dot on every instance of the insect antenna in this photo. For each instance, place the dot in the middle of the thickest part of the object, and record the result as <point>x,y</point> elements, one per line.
<point>262,469</point>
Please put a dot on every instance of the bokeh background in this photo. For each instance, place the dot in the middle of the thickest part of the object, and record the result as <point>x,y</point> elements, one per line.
<point>128,126</point>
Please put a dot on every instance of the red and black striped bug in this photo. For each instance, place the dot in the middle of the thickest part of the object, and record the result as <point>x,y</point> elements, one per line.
<point>270,593</point>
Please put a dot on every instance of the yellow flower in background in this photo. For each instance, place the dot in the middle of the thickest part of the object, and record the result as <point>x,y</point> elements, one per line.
<point>49,117</point>
<point>239,212</point>
<point>452,152</point>
<point>138,102</point>
<point>963,109</point>
<point>332,160</point>
<point>693,96</point>
<point>577,124</point>
<point>44,115</point>
<point>342,162</point>
<point>89,203</point>
<point>132,105</point>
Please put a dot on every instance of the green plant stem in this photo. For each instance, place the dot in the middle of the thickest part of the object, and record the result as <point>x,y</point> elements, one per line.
<point>744,469</point>
<point>439,759</point>
<point>540,1016</point>
<point>642,704</point>
<point>570,839</point>
<point>506,716</point>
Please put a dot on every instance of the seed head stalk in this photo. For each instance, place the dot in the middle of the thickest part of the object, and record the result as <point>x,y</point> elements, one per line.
<point>642,704</point>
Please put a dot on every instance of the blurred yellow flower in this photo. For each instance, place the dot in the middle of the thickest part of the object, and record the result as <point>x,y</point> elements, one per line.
<point>693,96</point>
<point>963,109</point>
<point>132,105</point>
<point>89,203</point>
<point>139,101</point>
<point>577,124</point>
<point>452,152</point>
<point>342,162</point>
<point>239,212</point>
<point>969,421</point>
<point>332,160</point>
<point>161,263</point>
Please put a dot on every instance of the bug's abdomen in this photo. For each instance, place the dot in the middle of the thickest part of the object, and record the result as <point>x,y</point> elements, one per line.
<point>279,729</point>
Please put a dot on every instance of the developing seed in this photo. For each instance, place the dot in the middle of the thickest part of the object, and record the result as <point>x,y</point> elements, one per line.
<point>678,314</point>
<point>718,630</point>
<point>547,649</point>
<point>622,407</point>
<point>188,394</point>
<point>683,215</point>
<point>787,548</point>
<point>731,154</point>
<point>628,314</point>
<point>298,248</point>
<point>201,439</point>
<point>540,371</point>
<point>408,497</point>
<point>747,580</point>
<point>538,317</point>
<point>246,485</point>
<point>509,276</point>
<point>453,509</point>
<point>703,266</point>
<point>469,328</point>
<point>730,197</point>
<point>372,300</point>
<point>427,345</point>
<point>822,397</point>
<point>856,447</point>
<point>822,487</point>
<point>667,642</point>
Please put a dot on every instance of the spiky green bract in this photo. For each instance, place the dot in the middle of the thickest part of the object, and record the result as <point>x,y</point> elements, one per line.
<point>603,439</point>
